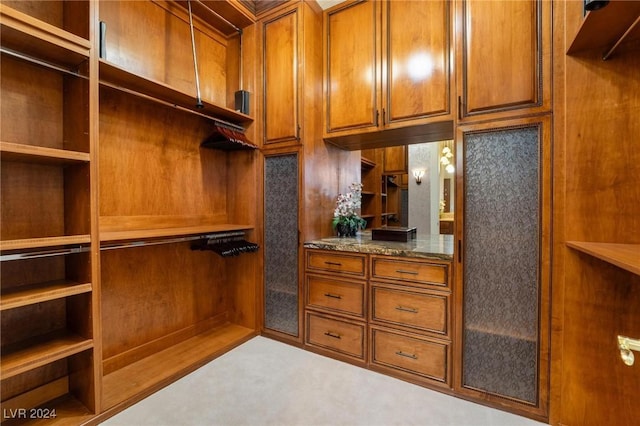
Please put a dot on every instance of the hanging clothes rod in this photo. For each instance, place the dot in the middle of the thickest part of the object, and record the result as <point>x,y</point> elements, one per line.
<point>144,243</point>
<point>42,63</point>
<point>44,253</point>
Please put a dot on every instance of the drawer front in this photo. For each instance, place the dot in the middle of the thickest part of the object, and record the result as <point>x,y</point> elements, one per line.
<point>417,356</point>
<point>341,263</point>
<point>424,311</point>
<point>410,271</point>
<point>345,297</point>
<point>340,336</point>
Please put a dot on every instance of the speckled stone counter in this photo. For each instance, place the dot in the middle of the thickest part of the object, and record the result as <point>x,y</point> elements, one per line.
<point>438,247</point>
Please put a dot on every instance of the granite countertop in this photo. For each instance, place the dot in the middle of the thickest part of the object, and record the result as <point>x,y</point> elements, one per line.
<point>439,247</point>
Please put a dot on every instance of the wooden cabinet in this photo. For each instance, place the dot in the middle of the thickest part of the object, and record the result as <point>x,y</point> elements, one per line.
<point>381,73</point>
<point>395,160</point>
<point>397,323</point>
<point>503,276</point>
<point>507,72</point>
<point>281,38</point>
<point>48,299</point>
<point>335,304</point>
<point>410,313</point>
<point>371,175</point>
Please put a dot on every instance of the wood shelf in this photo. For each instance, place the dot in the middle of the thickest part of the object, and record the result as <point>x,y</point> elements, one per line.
<point>32,37</point>
<point>142,378</point>
<point>36,352</point>
<point>365,163</point>
<point>144,234</point>
<point>41,292</point>
<point>625,256</point>
<point>601,29</point>
<point>10,151</point>
<point>31,243</point>
<point>69,411</point>
<point>123,80</point>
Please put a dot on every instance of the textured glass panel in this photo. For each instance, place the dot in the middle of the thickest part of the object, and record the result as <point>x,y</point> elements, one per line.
<point>281,243</point>
<point>501,258</point>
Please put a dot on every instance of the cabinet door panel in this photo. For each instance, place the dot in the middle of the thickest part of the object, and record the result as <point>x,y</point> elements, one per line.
<point>281,243</point>
<point>280,78</point>
<point>502,70</point>
<point>351,69</point>
<point>417,66</point>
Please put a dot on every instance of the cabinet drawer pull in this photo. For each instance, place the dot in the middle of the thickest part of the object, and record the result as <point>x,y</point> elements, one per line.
<point>405,309</point>
<point>333,263</point>
<point>334,335</point>
<point>333,296</point>
<point>412,356</point>
<point>402,271</point>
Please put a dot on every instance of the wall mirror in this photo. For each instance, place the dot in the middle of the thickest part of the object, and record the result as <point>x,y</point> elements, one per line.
<point>410,185</point>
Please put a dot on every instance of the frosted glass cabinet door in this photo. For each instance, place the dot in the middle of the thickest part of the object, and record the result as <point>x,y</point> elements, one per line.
<point>501,262</point>
<point>281,243</point>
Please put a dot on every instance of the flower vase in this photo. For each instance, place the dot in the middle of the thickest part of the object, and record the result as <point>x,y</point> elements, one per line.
<point>345,230</point>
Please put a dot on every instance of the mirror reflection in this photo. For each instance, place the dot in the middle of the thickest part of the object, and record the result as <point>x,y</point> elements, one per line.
<point>410,186</point>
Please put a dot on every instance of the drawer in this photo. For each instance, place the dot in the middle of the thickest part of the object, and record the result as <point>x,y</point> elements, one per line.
<point>340,336</point>
<point>422,310</point>
<point>338,262</point>
<point>422,272</point>
<point>346,297</point>
<point>426,358</point>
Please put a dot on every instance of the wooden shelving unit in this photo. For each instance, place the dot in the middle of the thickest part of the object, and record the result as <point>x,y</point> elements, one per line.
<point>604,28</point>
<point>47,295</point>
<point>144,377</point>
<point>625,256</point>
<point>121,79</point>
<point>41,292</point>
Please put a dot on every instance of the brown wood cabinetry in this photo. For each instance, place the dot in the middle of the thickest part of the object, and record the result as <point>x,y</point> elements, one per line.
<point>504,59</point>
<point>381,73</point>
<point>389,314</point>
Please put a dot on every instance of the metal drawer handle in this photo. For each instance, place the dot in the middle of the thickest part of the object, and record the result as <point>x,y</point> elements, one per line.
<point>402,271</point>
<point>334,335</point>
<point>333,263</point>
<point>333,296</point>
<point>412,356</point>
<point>405,309</point>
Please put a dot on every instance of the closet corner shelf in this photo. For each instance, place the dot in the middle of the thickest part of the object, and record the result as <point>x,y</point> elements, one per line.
<point>30,243</point>
<point>41,292</point>
<point>10,151</point>
<point>144,234</point>
<point>625,256</point>
<point>365,163</point>
<point>33,37</point>
<point>602,29</point>
<point>120,79</point>
<point>26,356</point>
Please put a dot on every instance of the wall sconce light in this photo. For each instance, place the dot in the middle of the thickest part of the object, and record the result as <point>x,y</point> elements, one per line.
<point>417,174</point>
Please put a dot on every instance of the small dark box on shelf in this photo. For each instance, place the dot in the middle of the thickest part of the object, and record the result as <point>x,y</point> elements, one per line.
<point>394,233</point>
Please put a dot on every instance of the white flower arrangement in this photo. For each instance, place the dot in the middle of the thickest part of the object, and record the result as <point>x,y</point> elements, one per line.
<point>345,215</point>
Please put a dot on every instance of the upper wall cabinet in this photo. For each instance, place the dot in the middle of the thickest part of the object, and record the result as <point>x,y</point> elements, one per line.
<point>381,73</point>
<point>280,53</point>
<point>504,59</point>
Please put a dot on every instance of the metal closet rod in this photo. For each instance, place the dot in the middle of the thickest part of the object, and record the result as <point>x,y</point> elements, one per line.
<point>44,253</point>
<point>41,63</point>
<point>154,242</point>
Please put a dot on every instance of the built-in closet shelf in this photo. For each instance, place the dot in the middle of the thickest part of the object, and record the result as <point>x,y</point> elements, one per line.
<point>602,29</point>
<point>625,256</point>
<point>146,376</point>
<point>68,411</point>
<point>30,243</point>
<point>32,37</point>
<point>368,216</point>
<point>145,234</point>
<point>368,193</point>
<point>365,163</point>
<point>211,12</point>
<point>41,292</point>
<point>10,151</point>
<point>36,352</point>
<point>120,79</point>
